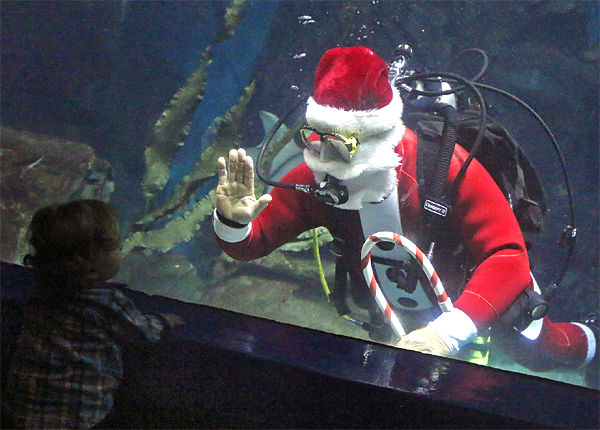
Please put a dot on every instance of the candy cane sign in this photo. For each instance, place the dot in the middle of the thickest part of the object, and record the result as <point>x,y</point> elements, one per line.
<point>385,236</point>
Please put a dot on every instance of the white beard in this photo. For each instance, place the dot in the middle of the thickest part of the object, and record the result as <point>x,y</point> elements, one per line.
<point>371,173</point>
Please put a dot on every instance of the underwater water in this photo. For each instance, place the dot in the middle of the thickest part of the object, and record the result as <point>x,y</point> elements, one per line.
<point>89,86</point>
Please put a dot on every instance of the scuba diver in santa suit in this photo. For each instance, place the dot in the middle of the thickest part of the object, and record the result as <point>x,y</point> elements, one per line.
<point>357,145</point>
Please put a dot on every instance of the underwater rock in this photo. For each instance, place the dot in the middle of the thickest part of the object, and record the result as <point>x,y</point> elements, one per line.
<point>178,230</point>
<point>283,287</point>
<point>168,274</point>
<point>305,241</point>
<point>39,170</point>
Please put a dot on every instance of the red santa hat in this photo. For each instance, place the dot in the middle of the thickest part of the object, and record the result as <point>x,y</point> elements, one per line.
<point>352,94</point>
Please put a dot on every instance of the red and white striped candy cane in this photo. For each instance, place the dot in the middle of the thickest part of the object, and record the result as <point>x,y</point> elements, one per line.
<point>386,236</point>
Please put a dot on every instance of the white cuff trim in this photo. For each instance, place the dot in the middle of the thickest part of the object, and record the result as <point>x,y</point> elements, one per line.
<point>230,234</point>
<point>455,328</point>
<point>591,342</point>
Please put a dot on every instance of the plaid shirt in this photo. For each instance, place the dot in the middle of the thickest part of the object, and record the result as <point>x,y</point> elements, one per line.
<point>67,363</point>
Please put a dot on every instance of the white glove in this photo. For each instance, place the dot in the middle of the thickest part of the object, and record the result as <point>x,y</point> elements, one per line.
<point>444,336</point>
<point>426,341</point>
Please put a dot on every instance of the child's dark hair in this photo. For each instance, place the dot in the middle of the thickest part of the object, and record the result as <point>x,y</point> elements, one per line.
<point>66,239</point>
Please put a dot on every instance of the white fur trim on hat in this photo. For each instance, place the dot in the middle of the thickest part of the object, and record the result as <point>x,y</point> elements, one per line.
<point>360,124</point>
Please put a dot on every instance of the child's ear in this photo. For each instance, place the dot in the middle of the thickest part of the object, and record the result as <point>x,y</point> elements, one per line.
<point>92,275</point>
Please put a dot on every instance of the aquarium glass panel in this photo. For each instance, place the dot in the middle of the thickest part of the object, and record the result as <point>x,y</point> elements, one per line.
<point>133,102</point>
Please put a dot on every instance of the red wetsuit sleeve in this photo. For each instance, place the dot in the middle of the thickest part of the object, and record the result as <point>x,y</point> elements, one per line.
<point>486,223</point>
<point>289,213</point>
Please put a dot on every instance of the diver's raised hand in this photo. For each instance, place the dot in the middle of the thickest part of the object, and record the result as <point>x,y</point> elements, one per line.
<point>235,198</point>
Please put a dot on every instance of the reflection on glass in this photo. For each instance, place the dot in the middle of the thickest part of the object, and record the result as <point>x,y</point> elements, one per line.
<point>134,102</point>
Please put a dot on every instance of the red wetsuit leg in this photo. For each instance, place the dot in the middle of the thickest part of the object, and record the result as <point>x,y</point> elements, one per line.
<point>559,345</point>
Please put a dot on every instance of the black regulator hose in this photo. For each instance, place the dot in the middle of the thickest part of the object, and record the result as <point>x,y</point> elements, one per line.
<point>483,55</point>
<point>555,145</point>
<point>267,141</point>
<point>437,192</point>
<point>483,110</point>
<point>449,137</point>
<point>474,86</point>
<point>568,236</point>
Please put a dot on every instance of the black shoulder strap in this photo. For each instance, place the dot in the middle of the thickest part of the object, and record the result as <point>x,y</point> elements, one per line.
<point>436,139</point>
<point>428,129</point>
<point>428,150</point>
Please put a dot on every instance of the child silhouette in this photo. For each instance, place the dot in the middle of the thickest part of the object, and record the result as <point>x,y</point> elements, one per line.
<point>68,358</point>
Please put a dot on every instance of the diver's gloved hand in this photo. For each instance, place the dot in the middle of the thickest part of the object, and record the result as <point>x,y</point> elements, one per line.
<point>234,197</point>
<point>424,340</point>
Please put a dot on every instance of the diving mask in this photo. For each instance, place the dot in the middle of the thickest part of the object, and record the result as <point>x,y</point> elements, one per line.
<point>329,146</point>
